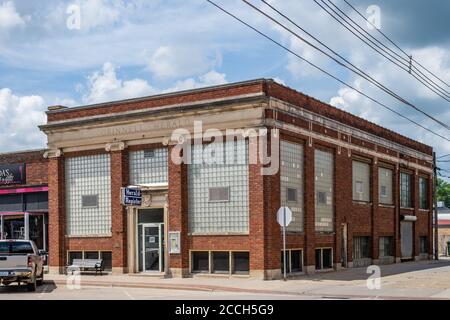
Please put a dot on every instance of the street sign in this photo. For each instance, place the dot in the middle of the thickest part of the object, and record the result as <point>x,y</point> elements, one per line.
<point>284,216</point>
<point>131,196</point>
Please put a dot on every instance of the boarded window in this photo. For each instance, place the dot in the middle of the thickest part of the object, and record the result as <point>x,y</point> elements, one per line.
<point>385,186</point>
<point>200,261</point>
<point>361,181</point>
<point>324,181</point>
<point>324,258</point>
<point>219,194</point>
<point>89,201</point>
<point>241,262</point>
<point>221,262</point>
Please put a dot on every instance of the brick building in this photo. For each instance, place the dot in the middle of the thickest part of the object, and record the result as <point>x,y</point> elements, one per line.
<point>23,197</point>
<point>359,193</point>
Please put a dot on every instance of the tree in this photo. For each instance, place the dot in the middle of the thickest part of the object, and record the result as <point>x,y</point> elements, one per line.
<point>443,192</point>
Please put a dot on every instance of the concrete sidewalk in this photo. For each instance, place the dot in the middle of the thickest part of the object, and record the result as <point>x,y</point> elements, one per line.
<point>416,280</point>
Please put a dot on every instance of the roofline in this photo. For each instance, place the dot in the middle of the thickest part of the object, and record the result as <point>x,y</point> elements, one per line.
<point>22,151</point>
<point>162,95</point>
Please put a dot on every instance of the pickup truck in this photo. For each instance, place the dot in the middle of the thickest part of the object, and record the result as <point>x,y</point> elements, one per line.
<point>21,262</point>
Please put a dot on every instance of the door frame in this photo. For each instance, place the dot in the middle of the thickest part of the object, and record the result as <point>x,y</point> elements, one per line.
<point>160,226</point>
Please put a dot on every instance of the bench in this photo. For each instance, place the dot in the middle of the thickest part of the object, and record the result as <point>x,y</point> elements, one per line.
<point>86,265</point>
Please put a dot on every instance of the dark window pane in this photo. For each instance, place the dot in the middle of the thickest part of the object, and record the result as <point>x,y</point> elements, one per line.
<point>4,247</point>
<point>11,202</point>
<point>221,262</point>
<point>241,262</point>
<point>287,262</point>
<point>327,259</point>
<point>21,248</point>
<point>296,261</point>
<point>106,256</point>
<point>91,255</point>
<point>200,261</point>
<point>37,201</point>
<point>424,244</point>
<point>361,247</point>
<point>318,259</point>
<point>151,216</point>
<point>74,255</point>
<point>291,194</point>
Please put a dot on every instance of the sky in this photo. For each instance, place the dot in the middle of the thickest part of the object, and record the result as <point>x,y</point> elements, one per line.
<point>121,49</point>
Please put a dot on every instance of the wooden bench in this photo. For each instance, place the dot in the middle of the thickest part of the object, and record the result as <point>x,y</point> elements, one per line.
<point>86,265</point>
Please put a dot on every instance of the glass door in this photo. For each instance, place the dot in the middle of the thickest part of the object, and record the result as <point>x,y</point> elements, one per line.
<point>150,247</point>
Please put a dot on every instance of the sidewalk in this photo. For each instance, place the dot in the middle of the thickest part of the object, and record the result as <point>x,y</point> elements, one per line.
<point>427,279</point>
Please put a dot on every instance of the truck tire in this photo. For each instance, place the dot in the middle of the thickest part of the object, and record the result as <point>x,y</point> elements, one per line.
<point>31,287</point>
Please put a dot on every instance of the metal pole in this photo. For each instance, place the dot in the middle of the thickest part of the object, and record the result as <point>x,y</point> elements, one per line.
<point>284,243</point>
<point>435,185</point>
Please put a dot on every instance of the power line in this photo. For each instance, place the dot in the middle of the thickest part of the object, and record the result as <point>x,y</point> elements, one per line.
<point>401,64</point>
<point>397,46</point>
<point>358,71</point>
<point>446,155</point>
<point>324,71</point>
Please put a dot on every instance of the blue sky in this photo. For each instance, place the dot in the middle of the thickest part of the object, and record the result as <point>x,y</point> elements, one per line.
<point>126,49</point>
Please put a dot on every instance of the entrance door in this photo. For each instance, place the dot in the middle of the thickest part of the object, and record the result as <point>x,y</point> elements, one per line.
<point>151,247</point>
<point>406,234</point>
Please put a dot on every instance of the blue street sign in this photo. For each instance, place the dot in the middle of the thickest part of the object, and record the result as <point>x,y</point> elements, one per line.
<point>131,197</point>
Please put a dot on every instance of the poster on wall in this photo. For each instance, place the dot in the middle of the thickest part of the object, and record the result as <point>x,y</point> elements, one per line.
<point>174,241</point>
<point>12,174</point>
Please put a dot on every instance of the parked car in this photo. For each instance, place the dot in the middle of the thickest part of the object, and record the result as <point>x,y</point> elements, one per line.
<point>21,262</point>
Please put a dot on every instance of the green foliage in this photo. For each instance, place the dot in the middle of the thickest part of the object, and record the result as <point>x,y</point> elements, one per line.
<point>443,192</point>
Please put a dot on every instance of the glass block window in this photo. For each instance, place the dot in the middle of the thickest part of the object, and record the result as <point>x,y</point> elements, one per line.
<point>88,195</point>
<point>149,166</point>
<point>230,216</point>
<point>361,181</point>
<point>291,182</point>
<point>385,186</point>
<point>386,247</point>
<point>423,193</point>
<point>324,179</point>
<point>405,190</point>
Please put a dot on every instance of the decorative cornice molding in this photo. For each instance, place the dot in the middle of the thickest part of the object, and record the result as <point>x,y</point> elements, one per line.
<point>53,153</point>
<point>115,146</point>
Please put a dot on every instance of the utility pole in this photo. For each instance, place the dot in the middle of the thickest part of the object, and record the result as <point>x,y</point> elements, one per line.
<point>435,222</point>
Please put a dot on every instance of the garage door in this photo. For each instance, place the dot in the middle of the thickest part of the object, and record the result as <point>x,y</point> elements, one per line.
<point>406,234</point>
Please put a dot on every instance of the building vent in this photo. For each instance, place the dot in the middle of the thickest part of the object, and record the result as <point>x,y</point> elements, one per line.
<point>217,194</point>
<point>89,201</point>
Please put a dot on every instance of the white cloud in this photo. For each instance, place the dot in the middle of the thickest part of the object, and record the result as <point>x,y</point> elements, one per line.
<point>180,61</point>
<point>105,86</point>
<point>9,18</point>
<point>20,116</point>
<point>210,78</point>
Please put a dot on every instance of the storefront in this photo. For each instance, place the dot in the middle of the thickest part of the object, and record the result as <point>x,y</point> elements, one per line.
<point>24,197</point>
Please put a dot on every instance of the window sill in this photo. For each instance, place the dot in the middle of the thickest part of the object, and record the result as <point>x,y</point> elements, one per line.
<point>109,235</point>
<point>403,208</point>
<point>218,234</point>
<point>386,206</point>
<point>362,203</point>
<point>425,210</point>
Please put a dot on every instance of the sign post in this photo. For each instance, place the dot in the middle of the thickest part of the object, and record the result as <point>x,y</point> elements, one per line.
<point>284,218</point>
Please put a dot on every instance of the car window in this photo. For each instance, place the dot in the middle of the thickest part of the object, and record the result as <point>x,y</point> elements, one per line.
<point>21,248</point>
<point>4,247</point>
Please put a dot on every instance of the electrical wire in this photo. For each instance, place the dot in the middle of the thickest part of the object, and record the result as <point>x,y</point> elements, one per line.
<point>324,71</point>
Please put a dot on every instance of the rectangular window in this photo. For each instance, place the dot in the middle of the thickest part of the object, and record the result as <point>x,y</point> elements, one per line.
<point>218,194</point>
<point>106,256</point>
<point>219,216</point>
<point>386,247</point>
<point>324,181</point>
<point>385,186</point>
<point>361,181</point>
<point>423,193</point>
<point>423,244</point>
<point>89,201</point>
<point>405,190</point>
<point>221,262</point>
<point>148,166</point>
<point>200,261</point>
<point>291,182</point>
<point>361,248</point>
<point>324,258</point>
<point>241,262</point>
<point>74,255</point>
<point>88,195</point>
<point>294,261</point>
<point>91,255</point>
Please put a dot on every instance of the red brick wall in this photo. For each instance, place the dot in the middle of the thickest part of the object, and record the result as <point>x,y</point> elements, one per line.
<point>36,167</point>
